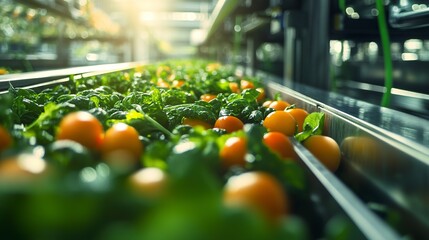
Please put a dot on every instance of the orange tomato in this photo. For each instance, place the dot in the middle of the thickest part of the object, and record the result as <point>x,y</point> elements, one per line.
<point>233,152</point>
<point>23,168</point>
<point>207,97</point>
<point>3,71</point>
<point>279,105</point>
<point>213,66</point>
<point>258,191</point>
<point>162,83</point>
<point>5,139</point>
<point>299,114</point>
<point>150,182</point>
<point>81,127</point>
<point>261,95</point>
<point>280,144</point>
<point>122,138</point>
<point>245,84</point>
<point>196,122</point>
<point>280,121</point>
<point>325,149</point>
<point>178,83</point>
<point>234,87</point>
<point>229,123</point>
<point>267,103</point>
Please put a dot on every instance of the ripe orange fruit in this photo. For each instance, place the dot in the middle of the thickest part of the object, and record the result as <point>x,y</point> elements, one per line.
<point>280,121</point>
<point>23,169</point>
<point>178,83</point>
<point>81,127</point>
<point>229,123</point>
<point>162,83</point>
<point>258,191</point>
<point>280,144</point>
<point>207,97</point>
<point>325,149</point>
<point>122,138</point>
<point>279,105</point>
<point>233,152</point>
<point>261,95</point>
<point>150,182</point>
<point>266,103</point>
<point>245,84</point>
<point>5,139</point>
<point>234,87</point>
<point>299,114</point>
<point>196,122</point>
<point>213,66</point>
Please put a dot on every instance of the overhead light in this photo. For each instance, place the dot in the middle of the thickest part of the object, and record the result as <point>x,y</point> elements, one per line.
<point>171,16</point>
<point>147,16</point>
<point>409,57</point>
<point>197,36</point>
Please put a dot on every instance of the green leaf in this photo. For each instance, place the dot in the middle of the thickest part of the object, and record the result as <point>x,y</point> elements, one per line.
<point>313,125</point>
<point>6,113</point>
<point>95,100</point>
<point>156,154</point>
<point>250,95</point>
<point>176,97</point>
<point>133,114</point>
<point>43,128</point>
<point>141,121</point>
<point>177,113</point>
<point>69,154</point>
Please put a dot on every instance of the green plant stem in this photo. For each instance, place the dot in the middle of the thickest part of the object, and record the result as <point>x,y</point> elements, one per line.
<point>154,123</point>
<point>387,55</point>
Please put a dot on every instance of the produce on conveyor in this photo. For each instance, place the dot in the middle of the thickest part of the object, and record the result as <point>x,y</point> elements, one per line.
<point>177,150</point>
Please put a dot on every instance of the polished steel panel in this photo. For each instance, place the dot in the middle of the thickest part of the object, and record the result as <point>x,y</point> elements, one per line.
<point>338,201</point>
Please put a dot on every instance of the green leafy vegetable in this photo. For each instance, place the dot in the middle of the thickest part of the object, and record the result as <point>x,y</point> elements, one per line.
<point>178,112</point>
<point>83,195</point>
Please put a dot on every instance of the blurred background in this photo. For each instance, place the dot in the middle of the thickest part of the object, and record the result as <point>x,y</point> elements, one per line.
<point>333,45</point>
<point>46,34</point>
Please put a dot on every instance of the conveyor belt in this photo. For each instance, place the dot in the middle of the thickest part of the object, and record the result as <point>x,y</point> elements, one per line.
<point>386,156</point>
<point>31,78</point>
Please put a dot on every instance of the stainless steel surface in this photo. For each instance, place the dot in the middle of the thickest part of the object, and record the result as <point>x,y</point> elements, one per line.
<point>222,9</point>
<point>306,44</point>
<point>326,188</point>
<point>408,18</point>
<point>30,78</point>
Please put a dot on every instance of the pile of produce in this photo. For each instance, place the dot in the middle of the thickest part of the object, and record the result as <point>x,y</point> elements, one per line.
<point>175,150</point>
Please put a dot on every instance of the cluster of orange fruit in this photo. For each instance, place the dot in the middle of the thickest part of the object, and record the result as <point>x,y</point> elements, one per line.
<point>257,190</point>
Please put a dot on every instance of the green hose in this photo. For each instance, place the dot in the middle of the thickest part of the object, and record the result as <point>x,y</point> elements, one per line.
<point>342,5</point>
<point>387,55</point>
<point>385,43</point>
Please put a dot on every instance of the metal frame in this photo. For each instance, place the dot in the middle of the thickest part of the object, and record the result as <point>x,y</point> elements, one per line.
<point>43,77</point>
<point>306,44</point>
